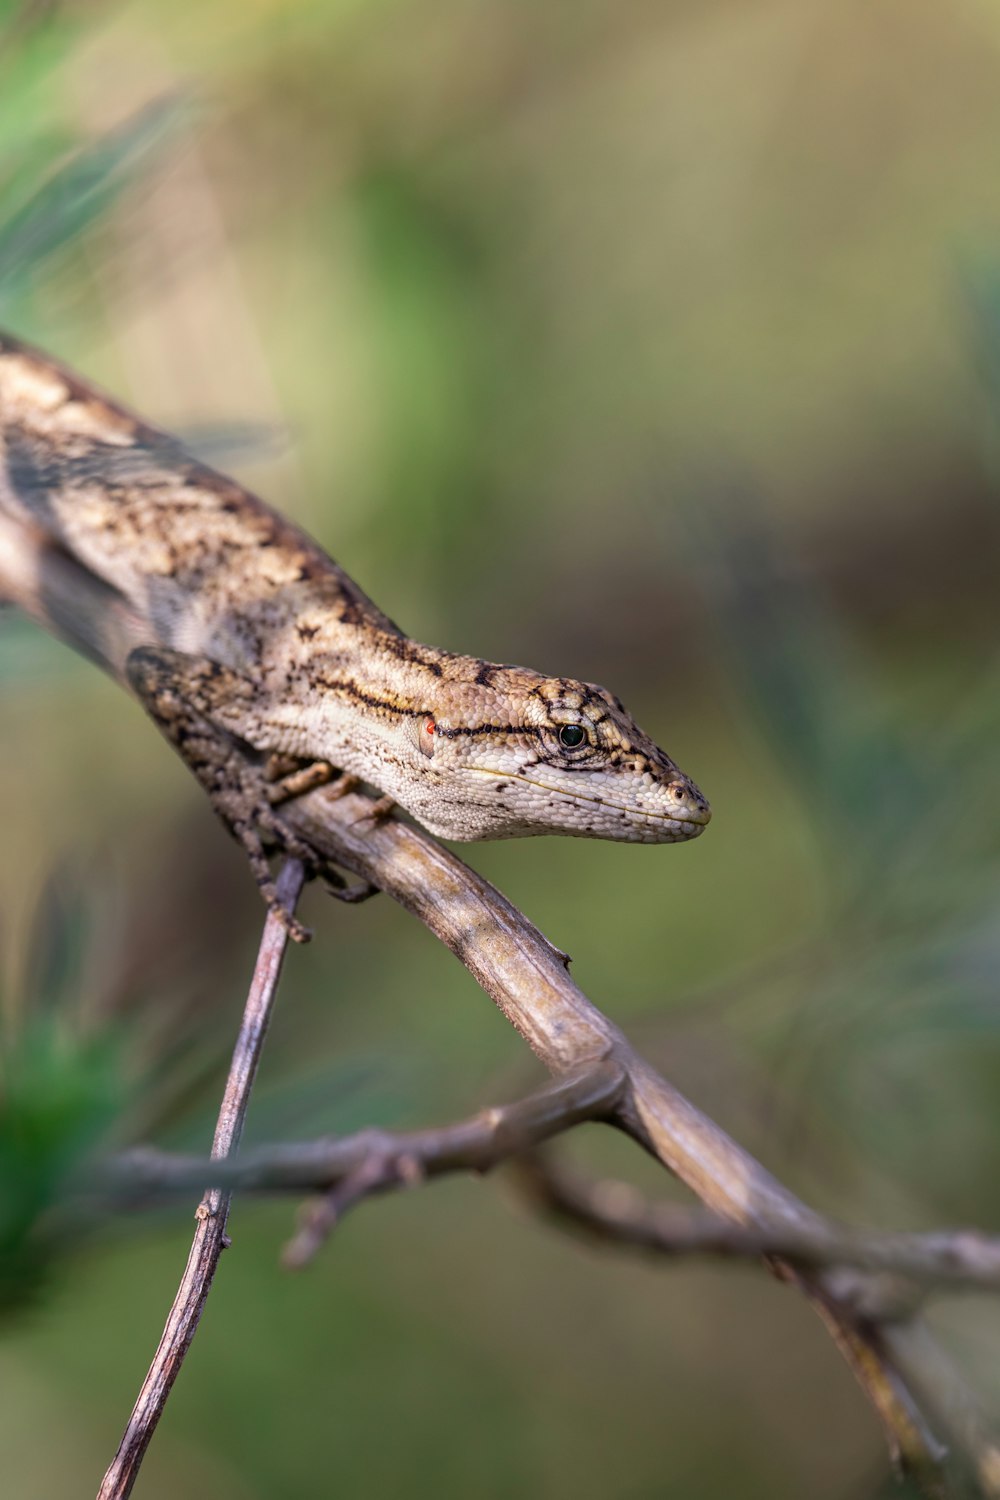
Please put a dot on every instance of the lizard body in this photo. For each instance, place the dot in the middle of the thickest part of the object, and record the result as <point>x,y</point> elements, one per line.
<point>256,637</point>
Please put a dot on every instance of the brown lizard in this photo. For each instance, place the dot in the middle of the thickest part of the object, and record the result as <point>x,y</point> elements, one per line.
<point>254,640</point>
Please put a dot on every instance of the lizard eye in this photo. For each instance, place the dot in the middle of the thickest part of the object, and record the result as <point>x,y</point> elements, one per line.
<point>571,736</point>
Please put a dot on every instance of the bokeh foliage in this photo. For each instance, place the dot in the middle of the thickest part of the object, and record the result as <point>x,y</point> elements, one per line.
<point>655,345</point>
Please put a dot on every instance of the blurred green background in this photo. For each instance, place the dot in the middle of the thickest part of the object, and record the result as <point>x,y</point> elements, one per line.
<point>657,345</point>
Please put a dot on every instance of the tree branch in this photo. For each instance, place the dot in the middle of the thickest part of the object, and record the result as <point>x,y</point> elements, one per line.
<point>912,1265</point>
<point>528,979</point>
<point>210,1235</point>
<point>473,1145</point>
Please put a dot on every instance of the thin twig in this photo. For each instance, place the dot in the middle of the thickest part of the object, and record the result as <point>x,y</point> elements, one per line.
<point>210,1235</point>
<point>472,1145</point>
<point>320,1216</point>
<point>908,1267</point>
<point>386,1161</point>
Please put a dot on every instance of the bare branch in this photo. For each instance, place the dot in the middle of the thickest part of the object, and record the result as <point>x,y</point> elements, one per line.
<point>616,1213</point>
<point>210,1235</point>
<point>473,1145</point>
<point>529,980</point>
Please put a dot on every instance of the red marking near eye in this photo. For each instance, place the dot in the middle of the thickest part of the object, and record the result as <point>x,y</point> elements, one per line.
<point>430,727</point>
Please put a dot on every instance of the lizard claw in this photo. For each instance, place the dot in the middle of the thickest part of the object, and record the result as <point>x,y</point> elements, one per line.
<point>362,890</point>
<point>378,811</point>
<point>248,834</point>
<point>296,930</point>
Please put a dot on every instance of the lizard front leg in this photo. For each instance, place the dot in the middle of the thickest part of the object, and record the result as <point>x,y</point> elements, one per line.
<point>288,778</point>
<point>187,696</point>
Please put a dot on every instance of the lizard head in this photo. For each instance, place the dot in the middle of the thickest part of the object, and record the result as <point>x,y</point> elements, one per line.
<point>510,752</point>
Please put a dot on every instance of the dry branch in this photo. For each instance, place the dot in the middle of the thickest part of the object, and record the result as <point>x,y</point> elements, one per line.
<point>474,1145</point>
<point>213,1211</point>
<point>528,979</point>
<point>912,1265</point>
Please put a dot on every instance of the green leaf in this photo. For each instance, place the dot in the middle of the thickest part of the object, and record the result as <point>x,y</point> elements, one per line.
<point>79,192</point>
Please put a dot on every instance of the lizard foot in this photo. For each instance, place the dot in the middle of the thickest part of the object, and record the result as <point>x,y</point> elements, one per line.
<point>288,779</point>
<point>378,811</point>
<point>338,888</point>
<point>247,830</point>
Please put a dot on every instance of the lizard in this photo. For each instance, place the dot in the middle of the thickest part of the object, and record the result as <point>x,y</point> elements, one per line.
<point>270,671</point>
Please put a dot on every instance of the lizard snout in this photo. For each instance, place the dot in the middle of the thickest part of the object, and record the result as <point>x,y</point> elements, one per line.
<point>690,803</point>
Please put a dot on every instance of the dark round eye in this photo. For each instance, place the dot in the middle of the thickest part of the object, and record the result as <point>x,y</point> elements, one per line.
<point>571,736</point>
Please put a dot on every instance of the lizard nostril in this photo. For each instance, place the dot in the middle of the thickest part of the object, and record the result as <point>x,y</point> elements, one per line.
<point>692,806</point>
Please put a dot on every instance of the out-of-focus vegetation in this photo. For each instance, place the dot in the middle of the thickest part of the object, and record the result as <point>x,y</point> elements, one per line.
<point>658,345</point>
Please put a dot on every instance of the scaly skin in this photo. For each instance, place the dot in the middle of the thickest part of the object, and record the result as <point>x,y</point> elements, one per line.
<point>255,633</point>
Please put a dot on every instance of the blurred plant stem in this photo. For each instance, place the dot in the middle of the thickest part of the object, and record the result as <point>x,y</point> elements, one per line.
<point>210,1237</point>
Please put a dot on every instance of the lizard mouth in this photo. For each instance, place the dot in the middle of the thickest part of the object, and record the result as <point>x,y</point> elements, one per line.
<point>689,820</point>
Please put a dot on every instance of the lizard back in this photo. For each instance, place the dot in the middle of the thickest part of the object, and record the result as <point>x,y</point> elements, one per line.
<point>207,563</point>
